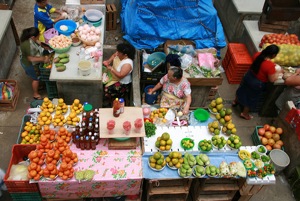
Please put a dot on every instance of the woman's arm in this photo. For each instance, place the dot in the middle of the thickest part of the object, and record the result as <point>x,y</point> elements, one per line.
<point>44,59</point>
<point>110,60</point>
<point>188,102</point>
<point>293,80</point>
<point>273,77</point>
<point>155,88</point>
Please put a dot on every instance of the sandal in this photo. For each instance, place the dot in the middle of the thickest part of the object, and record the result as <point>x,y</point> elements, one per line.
<point>247,117</point>
<point>38,98</point>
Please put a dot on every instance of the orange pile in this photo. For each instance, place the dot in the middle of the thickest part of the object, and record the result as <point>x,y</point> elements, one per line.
<point>69,157</point>
<point>64,134</point>
<point>44,145</point>
<point>48,133</point>
<point>36,158</point>
<point>50,171</point>
<point>66,171</point>
<point>52,157</point>
<point>60,145</point>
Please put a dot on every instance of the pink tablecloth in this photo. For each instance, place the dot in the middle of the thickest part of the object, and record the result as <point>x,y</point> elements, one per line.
<point>118,172</point>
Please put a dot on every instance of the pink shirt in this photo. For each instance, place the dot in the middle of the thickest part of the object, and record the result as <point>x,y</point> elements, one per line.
<point>181,90</point>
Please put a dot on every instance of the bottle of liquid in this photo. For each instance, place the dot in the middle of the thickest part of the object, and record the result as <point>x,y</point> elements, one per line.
<point>87,108</point>
<point>87,143</point>
<point>93,143</point>
<point>96,122</point>
<point>122,103</point>
<point>116,108</point>
<point>81,132</point>
<point>74,135</point>
<point>96,129</point>
<point>84,117</point>
<point>77,128</point>
<point>81,143</point>
<point>84,128</point>
<point>77,143</point>
<point>96,136</point>
<point>90,128</point>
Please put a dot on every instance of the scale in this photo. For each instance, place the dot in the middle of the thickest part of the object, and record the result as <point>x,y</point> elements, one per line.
<point>95,24</point>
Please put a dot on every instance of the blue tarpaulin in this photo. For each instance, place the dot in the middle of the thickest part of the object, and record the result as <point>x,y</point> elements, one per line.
<point>146,24</point>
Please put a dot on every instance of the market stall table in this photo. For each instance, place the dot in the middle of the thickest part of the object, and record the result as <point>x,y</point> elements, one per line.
<point>118,172</point>
<point>72,84</point>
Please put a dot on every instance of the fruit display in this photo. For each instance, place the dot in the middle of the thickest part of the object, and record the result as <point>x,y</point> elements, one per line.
<point>189,159</point>
<point>58,119</point>
<point>270,137</point>
<point>47,105</point>
<point>185,170</point>
<point>48,133</point>
<point>52,157</point>
<point>164,142</point>
<point>224,116</point>
<point>76,107</point>
<point>64,134</point>
<point>234,142</point>
<point>212,171</point>
<point>218,141</point>
<point>36,158</point>
<point>158,115</point>
<point>187,143</point>
<point>288,55</point>
<point>216,105</point>
<point>69,157</point>
<point>265,158</point>
<point>66,171</point>
<point>60,145</point>
<point>261,149</point>
<point>266,170</point>
<point>248,164</point>
<point>157,161</point>
<point>199,171</point>
<point>258,163</point>
<point>174,160</point>
<point>72,119</point>
<point>202,160</point>
<point>50,171</point>
<point>229,128</point>
<point>84,175</point>
<point>224,169</point>
<point>244,154</point>
<point>205,145</point>
<point>44,118</point>
<point>59,42</point>
<point>255,155</point>
<point>49,64</point>
<point>60,62</point>
<point>214,128</point>
<point>45,145</point>
<point>61,106</point>
<point>279,39</point>
<point>31,133</point>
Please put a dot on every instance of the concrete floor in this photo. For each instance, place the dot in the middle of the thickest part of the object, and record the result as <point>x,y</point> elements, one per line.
<point>10,121</point>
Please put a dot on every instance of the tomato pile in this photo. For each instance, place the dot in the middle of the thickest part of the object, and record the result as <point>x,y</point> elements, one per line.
<point>279,39</point>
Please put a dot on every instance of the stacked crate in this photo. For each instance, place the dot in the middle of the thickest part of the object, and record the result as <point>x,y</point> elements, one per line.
<point>21,190</point>
<point>111,17</point>
<point>50,85</point>
<point>11,104</point>
<point>236,63</point>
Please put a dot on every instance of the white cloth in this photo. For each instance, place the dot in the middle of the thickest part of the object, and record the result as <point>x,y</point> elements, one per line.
<point>127,79</point>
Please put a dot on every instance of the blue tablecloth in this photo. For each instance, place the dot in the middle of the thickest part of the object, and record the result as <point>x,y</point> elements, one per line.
<point>167,173</point>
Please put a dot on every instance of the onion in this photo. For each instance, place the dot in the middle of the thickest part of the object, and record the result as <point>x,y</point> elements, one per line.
<point>86,26</point>
<point>80,28</point>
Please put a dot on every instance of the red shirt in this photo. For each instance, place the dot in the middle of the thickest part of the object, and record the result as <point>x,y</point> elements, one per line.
<point>267,67</point>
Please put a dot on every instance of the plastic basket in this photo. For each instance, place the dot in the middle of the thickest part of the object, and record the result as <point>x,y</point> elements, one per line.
<point>26,118</point>
<point>44,73</point>
<point>18,153</point>
<point>50,33</point>
<point>26,196</point>
<point>51,90</point>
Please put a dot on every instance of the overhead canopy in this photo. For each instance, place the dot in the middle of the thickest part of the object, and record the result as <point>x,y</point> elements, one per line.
<point>147,24</point>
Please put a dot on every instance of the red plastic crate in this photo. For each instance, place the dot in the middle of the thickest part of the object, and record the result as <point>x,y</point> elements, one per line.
<point>240,54</point>
<point>232,80</point>
<point>19,151</point>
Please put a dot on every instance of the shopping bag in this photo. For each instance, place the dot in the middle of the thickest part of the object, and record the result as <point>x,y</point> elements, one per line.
<point>7,91</point>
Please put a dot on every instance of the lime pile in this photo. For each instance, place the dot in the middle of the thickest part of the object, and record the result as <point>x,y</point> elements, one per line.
<point>216,105</point>
<point>205,145</point>
<point>187,143</point>
<point>157,161</point>
<point>229,128</point>
<point>218,141</point>
<point>234,142</point>
<point>174,159</point>
<point>214,128</point>
<point>164,142</point>
<point>255,155</point>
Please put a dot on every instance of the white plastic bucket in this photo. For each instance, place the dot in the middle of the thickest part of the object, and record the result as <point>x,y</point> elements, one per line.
<point>280,159</point>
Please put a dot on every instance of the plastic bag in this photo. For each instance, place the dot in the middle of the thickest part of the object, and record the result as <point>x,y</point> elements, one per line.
<point>7,91</point>
<point>184,49</point>
<point>19,172</point>
<point>186,60</point>
<point>206,61</point>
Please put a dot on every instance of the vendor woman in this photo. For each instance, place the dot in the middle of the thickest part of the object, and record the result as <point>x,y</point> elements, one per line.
<point>176,90</point>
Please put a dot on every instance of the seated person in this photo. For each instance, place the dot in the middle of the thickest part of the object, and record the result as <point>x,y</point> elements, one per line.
<point>176,90</point>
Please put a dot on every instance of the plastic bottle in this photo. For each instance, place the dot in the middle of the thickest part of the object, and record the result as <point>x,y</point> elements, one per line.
<point>96,129</point>
<point>87,143</point>
<point>80,132</point>
<point>116,108</point>
<point>84,117</point>
<point>122,103</point>
<point>82,54</point>
<point>87,108</point>
<point>96,136</point>
<point>90,128</point>
<point>93,143</point>
<point>74,135</point>
<point>77,143</point>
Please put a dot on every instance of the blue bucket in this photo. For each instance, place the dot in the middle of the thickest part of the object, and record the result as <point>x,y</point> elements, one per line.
<point>150,98</point>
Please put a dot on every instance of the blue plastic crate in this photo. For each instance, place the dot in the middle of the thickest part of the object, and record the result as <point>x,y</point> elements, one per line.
<point>26,196</point>
<point>51,90</point>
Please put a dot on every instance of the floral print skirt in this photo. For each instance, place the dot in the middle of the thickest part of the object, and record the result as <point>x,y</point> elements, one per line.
<point>117,90</point>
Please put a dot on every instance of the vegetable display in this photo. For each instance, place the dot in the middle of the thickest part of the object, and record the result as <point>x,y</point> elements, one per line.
<point>150,129</point>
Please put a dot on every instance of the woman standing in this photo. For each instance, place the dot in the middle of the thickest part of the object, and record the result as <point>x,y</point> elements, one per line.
<point>176,90</point>
<point>121,69</point>
<point>254,82</point>
<point>31,57</point>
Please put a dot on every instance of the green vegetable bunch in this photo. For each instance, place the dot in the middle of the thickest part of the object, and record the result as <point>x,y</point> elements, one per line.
<point>150,129</point>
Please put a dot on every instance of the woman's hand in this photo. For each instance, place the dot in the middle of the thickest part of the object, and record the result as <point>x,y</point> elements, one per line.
<point>106,63</point>
<point>186,110</point>
<point>150,91</point>
<point>46,59</point>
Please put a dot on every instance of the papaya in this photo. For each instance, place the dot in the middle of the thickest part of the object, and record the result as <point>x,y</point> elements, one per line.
<point>59,64</point>
<point>63,55</point>
<point>64,60</point>
<point>61,68</point>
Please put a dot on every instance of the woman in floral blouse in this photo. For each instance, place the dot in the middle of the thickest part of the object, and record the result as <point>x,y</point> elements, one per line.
<point>176,90</point>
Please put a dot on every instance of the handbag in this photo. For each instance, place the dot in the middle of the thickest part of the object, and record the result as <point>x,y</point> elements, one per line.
<point>7,91</point>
